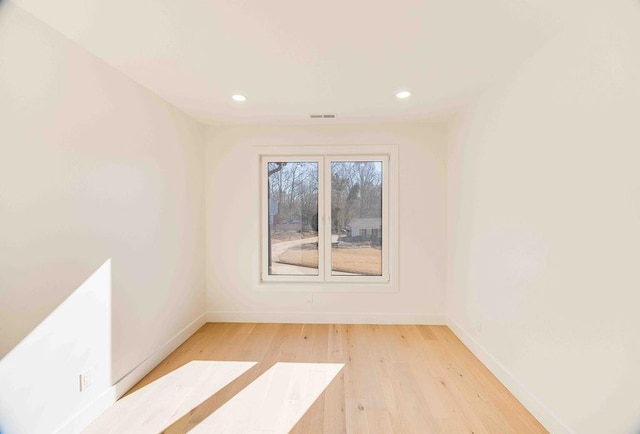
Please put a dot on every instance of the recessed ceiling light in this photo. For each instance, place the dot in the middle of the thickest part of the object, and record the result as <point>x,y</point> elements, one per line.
<point>239,98</point>
<point>403,94</point>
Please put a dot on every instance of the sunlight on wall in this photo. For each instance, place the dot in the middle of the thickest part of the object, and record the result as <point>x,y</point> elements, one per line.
<point>40,377</point>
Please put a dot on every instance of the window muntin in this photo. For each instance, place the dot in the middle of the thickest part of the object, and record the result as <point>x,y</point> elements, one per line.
<point>350,193</point>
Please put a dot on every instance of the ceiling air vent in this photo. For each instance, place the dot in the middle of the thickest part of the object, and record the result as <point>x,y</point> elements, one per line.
<point>322,116</point>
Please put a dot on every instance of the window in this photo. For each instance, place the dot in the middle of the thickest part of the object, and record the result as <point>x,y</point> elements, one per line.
<point>325,218</point>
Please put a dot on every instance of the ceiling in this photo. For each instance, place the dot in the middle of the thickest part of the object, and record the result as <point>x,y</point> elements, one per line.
<point>296,57</point>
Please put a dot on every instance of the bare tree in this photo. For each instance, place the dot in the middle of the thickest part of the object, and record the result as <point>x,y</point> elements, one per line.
<point>356,191</point>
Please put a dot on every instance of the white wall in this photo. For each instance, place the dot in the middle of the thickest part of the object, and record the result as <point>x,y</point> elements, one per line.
<point>37,395</point>
<point>233,222</point>
<point>92,167</point>
<point>544,227</point>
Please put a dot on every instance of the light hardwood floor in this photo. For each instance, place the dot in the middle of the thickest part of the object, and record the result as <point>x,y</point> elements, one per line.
<point>396,379</point>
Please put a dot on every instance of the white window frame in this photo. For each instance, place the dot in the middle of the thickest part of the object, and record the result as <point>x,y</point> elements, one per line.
<point>324,281</point>
<point>264,205</point>
<point>328,277</point>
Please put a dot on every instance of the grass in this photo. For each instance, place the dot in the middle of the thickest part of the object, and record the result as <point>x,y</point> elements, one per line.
<point>365,261</point>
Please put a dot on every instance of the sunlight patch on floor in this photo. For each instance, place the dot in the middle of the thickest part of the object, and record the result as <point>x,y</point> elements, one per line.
<point>274,402</point>
<point>159,404</point>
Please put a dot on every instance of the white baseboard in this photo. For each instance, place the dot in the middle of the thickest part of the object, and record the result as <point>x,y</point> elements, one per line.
<point>326,318</point>
<point>138,373</point>
<point>541,412</point>
<point>85,416</point>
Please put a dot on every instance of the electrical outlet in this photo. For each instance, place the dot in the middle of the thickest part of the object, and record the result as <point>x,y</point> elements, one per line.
<point>85,380</point>
<point>310,298</point>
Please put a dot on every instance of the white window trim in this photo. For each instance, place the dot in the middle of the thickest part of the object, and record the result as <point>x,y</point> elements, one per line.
<point>388,282</point>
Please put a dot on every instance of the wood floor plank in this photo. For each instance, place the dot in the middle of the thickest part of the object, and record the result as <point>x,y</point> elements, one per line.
<point>396,379</point>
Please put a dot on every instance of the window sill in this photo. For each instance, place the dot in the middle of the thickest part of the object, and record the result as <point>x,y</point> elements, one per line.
<point>327,287</point>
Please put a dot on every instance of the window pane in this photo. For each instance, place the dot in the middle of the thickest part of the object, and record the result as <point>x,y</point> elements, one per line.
<point>293,218</point>
<point>356,218</point>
